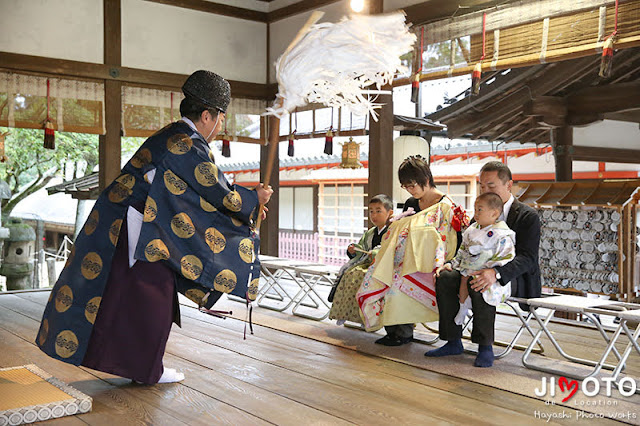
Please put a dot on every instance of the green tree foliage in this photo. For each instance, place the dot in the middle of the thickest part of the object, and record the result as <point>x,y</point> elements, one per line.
<point>31,166</point>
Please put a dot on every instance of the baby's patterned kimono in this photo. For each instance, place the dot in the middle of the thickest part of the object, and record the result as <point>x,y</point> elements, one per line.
<point>487,247</point>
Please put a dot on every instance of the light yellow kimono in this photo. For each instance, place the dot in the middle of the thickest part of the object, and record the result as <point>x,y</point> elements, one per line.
<point>399,287</point>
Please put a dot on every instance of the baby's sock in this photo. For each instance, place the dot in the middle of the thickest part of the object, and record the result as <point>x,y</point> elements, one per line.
<point>462,313</point>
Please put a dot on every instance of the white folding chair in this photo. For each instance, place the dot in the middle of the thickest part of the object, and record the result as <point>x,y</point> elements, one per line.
<point>579,305</point>
<point>311,276</point>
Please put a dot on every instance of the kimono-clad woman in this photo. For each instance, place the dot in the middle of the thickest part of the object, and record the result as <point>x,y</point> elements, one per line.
<point>399,288</point>
<point>169,222</point>
<point>343,295</point>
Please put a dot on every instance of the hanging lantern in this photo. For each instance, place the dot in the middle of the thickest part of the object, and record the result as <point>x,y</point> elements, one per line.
<point>351,155</point>
<point>292,137</point>
<point>226,147</point>
<point>3,157</point>
<point>328,142</point>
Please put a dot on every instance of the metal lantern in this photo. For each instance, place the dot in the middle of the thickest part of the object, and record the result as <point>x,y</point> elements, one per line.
<point>351,155</point>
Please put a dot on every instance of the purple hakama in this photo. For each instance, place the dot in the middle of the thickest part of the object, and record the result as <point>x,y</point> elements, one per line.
<point>134,320</point>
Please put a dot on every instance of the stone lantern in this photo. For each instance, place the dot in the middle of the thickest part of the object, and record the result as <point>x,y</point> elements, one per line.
<point>18,253</point>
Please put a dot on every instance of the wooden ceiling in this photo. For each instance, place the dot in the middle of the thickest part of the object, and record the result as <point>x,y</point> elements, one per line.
<point>526,104</point>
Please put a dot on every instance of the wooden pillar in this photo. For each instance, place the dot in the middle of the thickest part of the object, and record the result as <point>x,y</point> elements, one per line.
<point>270,227</point>
<point>110,143</point>
<point>562,141</point>
<point>381,173</point>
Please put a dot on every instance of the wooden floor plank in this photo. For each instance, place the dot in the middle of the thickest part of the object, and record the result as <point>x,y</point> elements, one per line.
<point>274,369</point>
<point>159,404</point>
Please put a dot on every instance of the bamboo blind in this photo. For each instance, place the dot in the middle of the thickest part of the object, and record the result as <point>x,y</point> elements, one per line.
<point>544,33</point>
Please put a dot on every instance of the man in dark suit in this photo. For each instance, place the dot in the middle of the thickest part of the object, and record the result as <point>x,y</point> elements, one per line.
<point>523,272</point>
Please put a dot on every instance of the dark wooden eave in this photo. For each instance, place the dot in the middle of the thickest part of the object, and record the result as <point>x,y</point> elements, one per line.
<point>527,104</point>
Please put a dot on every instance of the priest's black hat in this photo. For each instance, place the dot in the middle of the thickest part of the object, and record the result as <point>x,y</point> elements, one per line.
<point>208,88</point>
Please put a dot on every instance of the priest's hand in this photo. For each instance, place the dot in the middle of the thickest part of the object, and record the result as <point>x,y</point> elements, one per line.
<point>264,212</point>
<point>445,267</point>
<point>264,194</point>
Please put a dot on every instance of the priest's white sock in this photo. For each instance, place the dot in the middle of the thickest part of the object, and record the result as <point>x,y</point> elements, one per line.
<point>169,375</point>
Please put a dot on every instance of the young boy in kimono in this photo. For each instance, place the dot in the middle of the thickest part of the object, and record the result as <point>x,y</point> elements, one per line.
<point>487,243</point>
<point>343,295</point>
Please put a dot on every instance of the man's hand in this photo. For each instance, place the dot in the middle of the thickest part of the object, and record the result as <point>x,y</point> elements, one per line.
<point>483,279</point>
<point>351,249</point>
<point>264,212</point>
<point>445,267</point>
<point>264,194</point>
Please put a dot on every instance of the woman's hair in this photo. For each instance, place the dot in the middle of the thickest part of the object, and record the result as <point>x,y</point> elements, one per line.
<point>192,109</point>
<point>415,168</point>
<point>384,200</point>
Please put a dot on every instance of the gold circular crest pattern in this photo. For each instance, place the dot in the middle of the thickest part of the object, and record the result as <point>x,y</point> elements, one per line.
<point>252,291</point>
<point>215,240</point>
<point>195,295</point>
<point>206,173</point>
<point>127,180</point>
<point>66,343</point>
<point>236,222</point>
<point>92,222</point>
<point>114,231</point>
<point>206,206</point>
<point>91,265</point>
<point>141,158</point>
<point>245,249</point>
<point>119,192</point>
<point>232,201</point>
<point>64,298</point>
<point>91,309</point>
<point>225,281</point>
<point>182,225</point>
<point>211,157</point>
<point>44,332</point>
<point>174,184</point>
<point>150,210</point>
<point>179,144</point>
<point>191,267</point>
<point>156,250</point>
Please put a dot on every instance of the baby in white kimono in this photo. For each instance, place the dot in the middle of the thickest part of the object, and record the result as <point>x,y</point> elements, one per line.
<point>488,242</point>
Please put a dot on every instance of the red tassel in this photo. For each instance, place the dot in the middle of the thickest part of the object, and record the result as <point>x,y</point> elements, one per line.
<point>49,135</point>
<point>415,89</point>
<point>290,150</point>
<point>475,79</point>
<point>328,142</point>
<point>226,147</point>
<point>3,157</point>
<point>606,60</point>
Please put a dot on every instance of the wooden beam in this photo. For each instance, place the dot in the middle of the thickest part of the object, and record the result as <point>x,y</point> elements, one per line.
<point>607,155</point>
<point>381,173</point>
<point>53,67</point>
<point>218,9</point>
<point>110,143</point>
<point>605,98</point>
<point>435,10</point>
<point>297,8</point>
<point>562,142</point>
<point>269,231</point>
